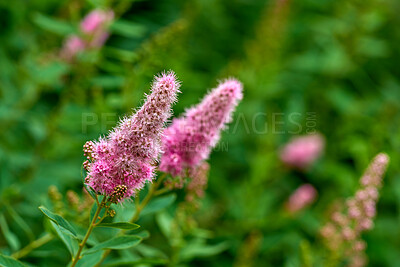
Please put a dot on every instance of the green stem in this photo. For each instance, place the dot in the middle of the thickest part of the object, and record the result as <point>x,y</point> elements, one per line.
<point>33,245</point>
<point>89,231</point>
<point>152,190</point>
<point>139,207</point>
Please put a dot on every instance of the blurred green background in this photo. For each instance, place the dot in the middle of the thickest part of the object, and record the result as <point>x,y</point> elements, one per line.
<point>334,64</point>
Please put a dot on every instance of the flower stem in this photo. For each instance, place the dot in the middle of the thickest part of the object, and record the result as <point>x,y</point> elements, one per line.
<point>152,190</point>
<point>33,245</point>
<point>89,231</point>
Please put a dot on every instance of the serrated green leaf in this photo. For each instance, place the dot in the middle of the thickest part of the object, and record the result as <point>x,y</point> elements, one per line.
<point>119,242</point>
<point>120,225</point>
<point>64,224</point>
<point>10,262</point>
<point>158,204</point>
<point>52,25</point>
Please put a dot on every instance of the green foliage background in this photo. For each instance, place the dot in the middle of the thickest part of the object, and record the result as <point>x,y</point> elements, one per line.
<point>335,60</point>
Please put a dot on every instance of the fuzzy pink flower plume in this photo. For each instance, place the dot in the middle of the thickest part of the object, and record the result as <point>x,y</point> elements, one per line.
<point>302,197</point>
<point>302,151</point>
<point>344,231</point>
<point>189,139</point>
<point>125,160</point>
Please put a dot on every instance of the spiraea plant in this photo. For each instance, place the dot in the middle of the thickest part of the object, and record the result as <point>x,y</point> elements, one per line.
<point>118,167</point>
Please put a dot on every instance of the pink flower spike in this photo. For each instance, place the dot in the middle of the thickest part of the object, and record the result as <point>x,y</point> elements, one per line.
<point>95,20</point>
<point>302,197</point>
<point>125,160</point>
<point>188,140</point>
<point>302,151</point>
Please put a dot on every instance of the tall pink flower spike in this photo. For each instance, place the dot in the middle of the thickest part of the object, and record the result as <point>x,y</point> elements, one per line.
<point>344,231</point>
<point>189,139</point>
<point>125,160</point>
<point>302,151</point>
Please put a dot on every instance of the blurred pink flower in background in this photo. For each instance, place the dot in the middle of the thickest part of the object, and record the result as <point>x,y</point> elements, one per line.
<point>346,226</point>
<point>72,46</point>
<point>98,40</point>
<point>94,28</point>
<point>95,25</point>
<point>302,197</point>
<point>302,151</point>
<point>96,20</point>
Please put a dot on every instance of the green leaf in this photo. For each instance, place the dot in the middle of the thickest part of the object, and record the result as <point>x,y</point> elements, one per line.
<point>120,225</point>
<point>47,74</point>
<point>128,29</point>
<point>164,221</point>
<point>90,260</point>
<point>10,237</point>
<point>150,252</point>
<point>70,243</point>
<point>144,234</point>
<point>20,222</point>
<point>10,262</point>
<point>64,224</point>
<point>199,249</point>
<point>123,262</point>
<point>158,204</point>
<point>52,25</point>
<point>119,242</point>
